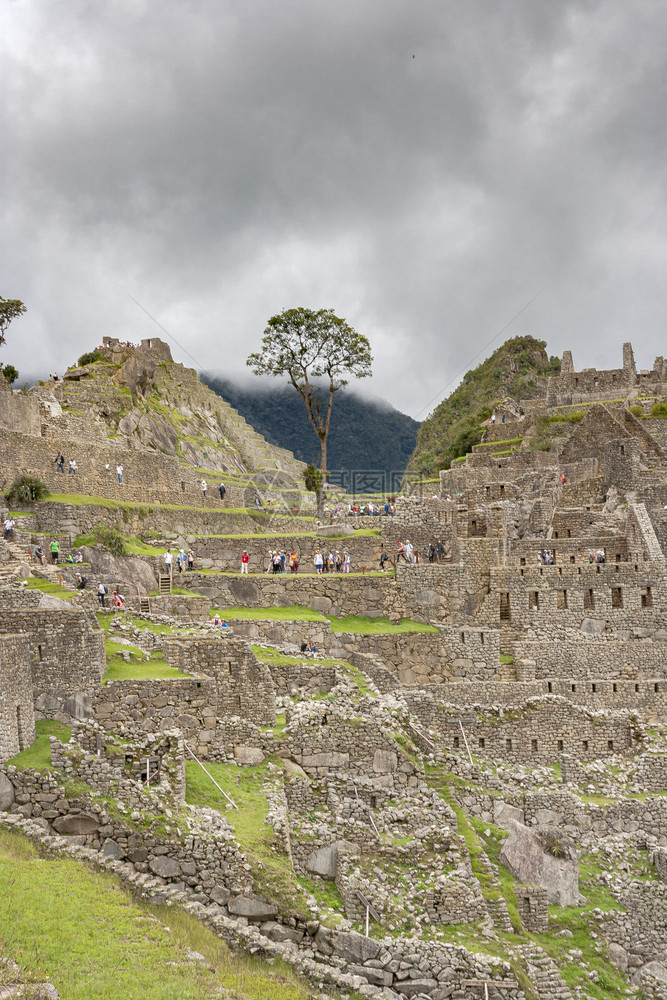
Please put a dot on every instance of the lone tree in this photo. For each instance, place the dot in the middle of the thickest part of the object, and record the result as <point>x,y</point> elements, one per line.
<point>9,310</point>
<point>307,347</point>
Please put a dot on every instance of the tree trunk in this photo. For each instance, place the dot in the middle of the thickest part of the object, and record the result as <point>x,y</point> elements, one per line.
<point>323,470</point>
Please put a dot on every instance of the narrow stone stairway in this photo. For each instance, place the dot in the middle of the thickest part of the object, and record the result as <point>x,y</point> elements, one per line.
<point>544,975</point>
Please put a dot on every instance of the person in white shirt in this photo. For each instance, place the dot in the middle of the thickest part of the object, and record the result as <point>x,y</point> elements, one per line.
<point>119,473</point>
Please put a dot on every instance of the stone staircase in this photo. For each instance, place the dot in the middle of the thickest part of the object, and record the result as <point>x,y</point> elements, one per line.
<point>544,975</point>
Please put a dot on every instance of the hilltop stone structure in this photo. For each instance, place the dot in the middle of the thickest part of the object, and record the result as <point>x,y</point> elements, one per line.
<point>454,781</point>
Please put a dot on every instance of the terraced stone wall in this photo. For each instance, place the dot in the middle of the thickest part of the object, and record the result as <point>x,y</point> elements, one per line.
<point>338,594</point>
<point>596,658</point>
<point>17,717</point>
<point>429,658</point>
<point>243,684</point>
<point>536,732</point>
<point>66,652</point>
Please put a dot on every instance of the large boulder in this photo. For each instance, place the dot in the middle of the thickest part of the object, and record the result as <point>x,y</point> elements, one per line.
<point>79,706</point>
<point>127,571</point>
<point>6,793</point>
<point>542,858</point>
<point>353,947</point>
<point>75,824</point>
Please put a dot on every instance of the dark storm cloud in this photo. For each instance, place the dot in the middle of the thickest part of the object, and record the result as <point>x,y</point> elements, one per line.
<point>423,168</point>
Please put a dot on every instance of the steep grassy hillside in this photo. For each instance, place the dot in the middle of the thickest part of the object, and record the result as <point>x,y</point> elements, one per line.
<point>518,369</point>
<point>364,435</point>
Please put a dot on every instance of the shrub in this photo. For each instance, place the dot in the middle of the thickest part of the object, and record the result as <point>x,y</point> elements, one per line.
<point>10,373</point>
<point>636,410</point>
<point>90,358</point>
<point>659,410</point>
<point>102,534</point>
<point>26,490</point>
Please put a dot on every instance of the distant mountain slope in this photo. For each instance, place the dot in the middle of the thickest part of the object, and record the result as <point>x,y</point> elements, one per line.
<point>518,369</point>
<point>365,436</point>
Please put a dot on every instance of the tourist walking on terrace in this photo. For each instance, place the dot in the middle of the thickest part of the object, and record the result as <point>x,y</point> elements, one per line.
<point>245,559</point>
<point>204,487</point>
<point>9,527</point>
<point>119,473</point>
<point>319,562</point>
<point>60,463</point>
<point>401,552</point>
<point>347,562</point>
<point>167,562</point>
<point>383,559</point>
<point>55,550</point>
<point>101,594</point>
<point>294,562</point>
<point>191,560</point>
<point>72,467</point>
<point>181,560</point>
<point>222,491</point>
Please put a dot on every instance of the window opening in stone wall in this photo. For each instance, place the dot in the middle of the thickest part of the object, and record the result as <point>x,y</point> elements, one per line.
<point>374,801</point>
<point>616,597</point>
<point>589,600</point>
<point>508,744</point>
<point>150,770</point>
<point>656,688</point>
<point>594,688</point>
<point>549,686</point>
<point>237,702</point>
<point>481,638</point>
<point>505,612</point>
<point>502,486</point>
<point>569,533</point>
<point>610,745</point>
<point>572,559</point>
<point>618,557</point>
<point>561,599</point>
<point>481,743</point>
<point>636,688</point>
<point>457,742</point>
<point>622,449</point>
<point>574,687</point>
<point>522,561</point>
<point>646,597</point>
<point>39,651</point>
<point>584,744</point>
<point>614,688</point>
<point>533,746</point>
<point>463,637</point>
<point>555,534</point>
<point>533,600</point>
<point>561,745</point>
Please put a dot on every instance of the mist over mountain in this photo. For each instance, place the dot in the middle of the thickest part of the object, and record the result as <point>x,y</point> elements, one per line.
<point>369,442</point>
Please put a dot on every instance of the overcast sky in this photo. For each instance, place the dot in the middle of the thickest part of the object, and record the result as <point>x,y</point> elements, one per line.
<point>424,167</point>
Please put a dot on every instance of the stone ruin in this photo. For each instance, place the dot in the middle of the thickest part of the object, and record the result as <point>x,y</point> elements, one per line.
<point>409,774</point>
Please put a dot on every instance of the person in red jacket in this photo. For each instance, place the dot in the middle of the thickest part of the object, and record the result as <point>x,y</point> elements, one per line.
<point>245,559</point>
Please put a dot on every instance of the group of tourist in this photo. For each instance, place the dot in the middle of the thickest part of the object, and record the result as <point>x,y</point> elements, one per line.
<point>436,551</point>
<point>406,551</point>
<point>371,509</point>
<point>278,562</point>
<point>183,559</point>
<point>597,557</point>
<point>332,562</point>
<point>545,557</point>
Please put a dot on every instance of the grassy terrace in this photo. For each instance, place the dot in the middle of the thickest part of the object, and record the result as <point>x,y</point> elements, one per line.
<point>351,623</point>
<point>56,922</point>
<point>50,588</point>
<point>38,754</point>
<point>83,500</point>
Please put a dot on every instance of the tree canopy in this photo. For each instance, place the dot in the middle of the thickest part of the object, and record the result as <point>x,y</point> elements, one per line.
<point>309,348</point>
<point>9,310</point>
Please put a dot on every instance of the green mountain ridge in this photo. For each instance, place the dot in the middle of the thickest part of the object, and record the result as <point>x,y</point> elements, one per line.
<point>519,368</point>
<point>369,442</point>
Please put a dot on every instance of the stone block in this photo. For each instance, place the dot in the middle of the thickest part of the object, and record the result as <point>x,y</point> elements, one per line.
<point>248,755</point>
<point>355,947</point>
<point>165,867</point>
<point>323,861</point>
<point>256,910</point>
<point>385,761</point>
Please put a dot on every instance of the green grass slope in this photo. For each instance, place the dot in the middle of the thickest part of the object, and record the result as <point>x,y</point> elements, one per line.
<point>519,369</point>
